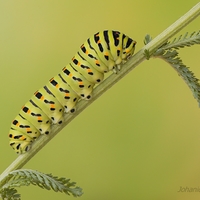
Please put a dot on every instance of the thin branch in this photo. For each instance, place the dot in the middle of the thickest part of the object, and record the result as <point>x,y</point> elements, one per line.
<point>105,85</point>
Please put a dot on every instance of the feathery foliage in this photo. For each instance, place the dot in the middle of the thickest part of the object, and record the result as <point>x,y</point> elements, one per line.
<point>168,52</point>
<point>9,194</point>
<point>184,40</point>
<point>25,177</point>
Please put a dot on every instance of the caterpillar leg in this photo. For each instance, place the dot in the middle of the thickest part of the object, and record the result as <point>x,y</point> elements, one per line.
<point>116,69</point>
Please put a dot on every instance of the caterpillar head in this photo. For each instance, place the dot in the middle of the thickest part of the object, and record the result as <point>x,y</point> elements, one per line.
<point>128,48</point>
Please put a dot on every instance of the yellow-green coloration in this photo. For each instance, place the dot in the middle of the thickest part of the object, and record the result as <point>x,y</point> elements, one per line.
<point>103,52</point>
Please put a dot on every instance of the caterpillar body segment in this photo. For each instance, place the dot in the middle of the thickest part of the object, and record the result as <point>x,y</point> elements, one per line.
<point>67,97</point>
<point>49,104</point>
<point>32,113</point>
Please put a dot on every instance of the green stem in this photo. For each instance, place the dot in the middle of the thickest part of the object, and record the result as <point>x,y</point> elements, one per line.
<point>21,160</point>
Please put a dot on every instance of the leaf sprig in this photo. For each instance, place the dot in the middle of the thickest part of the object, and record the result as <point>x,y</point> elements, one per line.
<point>9,194</point>
<point>184,40</point>
<point>168,52</point>
<point>25,177</point>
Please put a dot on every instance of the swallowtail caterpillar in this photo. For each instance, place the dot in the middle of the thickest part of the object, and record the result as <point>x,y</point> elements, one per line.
<point>104,51</point>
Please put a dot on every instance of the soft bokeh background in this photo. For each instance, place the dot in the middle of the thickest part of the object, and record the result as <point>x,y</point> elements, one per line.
<point>141,139</point>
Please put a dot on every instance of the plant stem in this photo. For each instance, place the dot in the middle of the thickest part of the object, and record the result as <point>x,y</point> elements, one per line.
<point>139,57</point>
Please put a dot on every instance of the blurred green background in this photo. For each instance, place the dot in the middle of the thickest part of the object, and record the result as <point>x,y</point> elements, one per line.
<point>141,139</point>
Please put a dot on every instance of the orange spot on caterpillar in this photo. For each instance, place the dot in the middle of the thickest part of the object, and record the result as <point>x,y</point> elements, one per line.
<point>23,138</point>
<point>39,118</point>
<point>99,42</point>
<point>42,98</point>
<point>52,105</point>
<point>28,129</point>
<point>70,75</point>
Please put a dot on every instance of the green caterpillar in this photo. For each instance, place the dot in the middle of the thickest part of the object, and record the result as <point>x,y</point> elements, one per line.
<point>103,52</point>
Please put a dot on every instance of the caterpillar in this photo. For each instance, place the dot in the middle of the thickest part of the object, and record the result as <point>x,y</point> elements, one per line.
<point>103,52</point>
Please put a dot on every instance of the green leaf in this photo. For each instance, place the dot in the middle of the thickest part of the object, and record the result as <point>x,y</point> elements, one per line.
<point>184,41</point>
<point>172,57</point>
<point>9,194</point>
<point>147,39</point>
<point>25,177</point>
